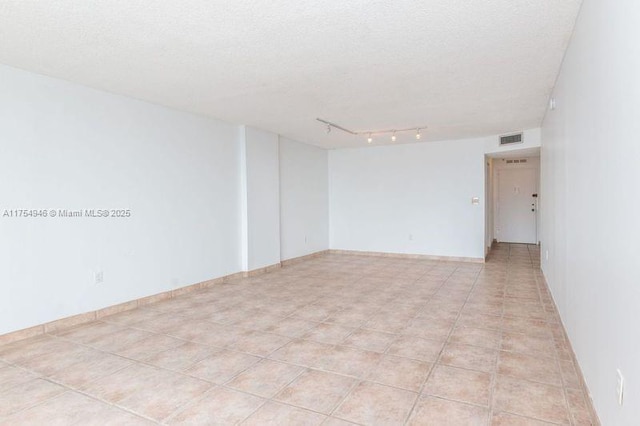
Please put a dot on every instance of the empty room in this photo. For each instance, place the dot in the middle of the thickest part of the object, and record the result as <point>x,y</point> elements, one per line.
<point>319,212</point>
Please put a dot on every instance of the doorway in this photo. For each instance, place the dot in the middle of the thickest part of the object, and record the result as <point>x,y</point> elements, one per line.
<point>512,182</point>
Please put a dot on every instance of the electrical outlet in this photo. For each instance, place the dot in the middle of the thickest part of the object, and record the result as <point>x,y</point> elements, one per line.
<point>410,237</point>
<point>98,277</point>
<point>546,255</point>
<point>620,387</point>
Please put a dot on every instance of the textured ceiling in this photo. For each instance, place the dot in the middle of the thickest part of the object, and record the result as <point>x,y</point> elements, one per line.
<point>464,68</point>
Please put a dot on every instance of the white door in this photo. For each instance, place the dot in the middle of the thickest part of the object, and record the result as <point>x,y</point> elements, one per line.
<point>517,205</point>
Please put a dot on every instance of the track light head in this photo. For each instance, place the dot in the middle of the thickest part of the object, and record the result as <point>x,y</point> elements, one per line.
<point>418,134</point>
<point>393,137</point>
<point>369,139</point>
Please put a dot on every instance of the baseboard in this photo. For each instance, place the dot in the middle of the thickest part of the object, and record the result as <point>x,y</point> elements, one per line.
<point>299,259</point>
<point>409,256</point>
<point>284,263</point>
<point>263,270</point>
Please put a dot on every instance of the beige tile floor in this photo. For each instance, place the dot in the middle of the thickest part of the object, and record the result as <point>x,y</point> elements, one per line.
<point>335,340</point>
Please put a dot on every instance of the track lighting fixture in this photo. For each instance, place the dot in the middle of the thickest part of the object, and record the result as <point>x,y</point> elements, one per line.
<point>370,133</point>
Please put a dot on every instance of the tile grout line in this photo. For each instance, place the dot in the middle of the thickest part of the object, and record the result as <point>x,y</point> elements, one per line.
<point>494,376</point>
<point>358,382</point>
<point>435,363</point>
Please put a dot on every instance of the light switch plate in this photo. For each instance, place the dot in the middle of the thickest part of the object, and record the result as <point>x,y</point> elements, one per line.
<point>475,200</point>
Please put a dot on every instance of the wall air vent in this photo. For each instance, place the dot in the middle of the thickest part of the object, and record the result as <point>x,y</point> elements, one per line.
<point>524,160</point>
<point>511,139</point>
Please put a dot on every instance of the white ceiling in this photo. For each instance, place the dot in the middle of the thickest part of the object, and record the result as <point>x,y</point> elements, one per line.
<point>465,68</point>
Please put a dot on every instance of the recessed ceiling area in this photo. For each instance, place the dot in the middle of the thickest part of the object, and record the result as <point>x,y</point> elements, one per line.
<point>463,68</point>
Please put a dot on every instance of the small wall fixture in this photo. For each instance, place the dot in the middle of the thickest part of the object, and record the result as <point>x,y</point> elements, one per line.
<point>371,133</point>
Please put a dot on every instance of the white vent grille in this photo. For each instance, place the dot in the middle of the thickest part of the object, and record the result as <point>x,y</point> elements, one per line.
<point>523,160</point>
<point>511,139</point>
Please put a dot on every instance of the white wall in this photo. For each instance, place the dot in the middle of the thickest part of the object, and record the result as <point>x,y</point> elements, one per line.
<point>590,204</point>
<point>262,198</point>
<point>304,199</point>
<point>413,198</point>
<point>64,146</point>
